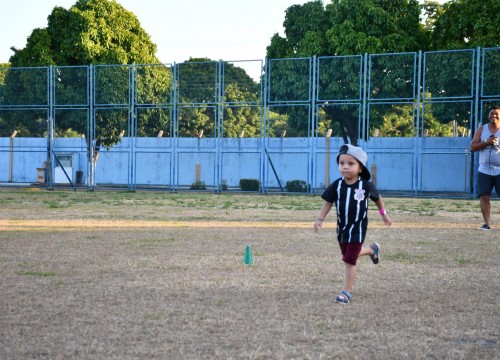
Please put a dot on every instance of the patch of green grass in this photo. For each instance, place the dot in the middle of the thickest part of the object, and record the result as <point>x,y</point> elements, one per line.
<point>424,242</point>
<point>404,257</point>
<point>291,202</point>
<point>221,302</point>
<point>271,207</point>
<point>429,207</point>
<point>36,273</point>
<point>55,204</point>
<point>160,315</point>
<point>155,203</point>
<point>462,261</point>
<point>321,326</point>
<point>150,242</point>
<point>170,267</point>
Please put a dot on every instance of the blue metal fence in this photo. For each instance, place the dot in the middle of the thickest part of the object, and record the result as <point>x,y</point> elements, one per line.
<point>296,102</point>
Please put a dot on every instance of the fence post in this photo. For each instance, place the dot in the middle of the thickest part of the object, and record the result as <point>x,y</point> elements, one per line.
<point>11,154</point>
<point>327,157</point>
<point>417,137</point>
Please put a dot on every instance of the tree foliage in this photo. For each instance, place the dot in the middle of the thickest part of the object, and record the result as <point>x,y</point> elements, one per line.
<point>374,26</point>
<point>90,32</point>
<point>343,29</point>
<point>242,117</point>
<point>460,25</point>
<point>349,27</point>
<point>346,27</point>
<point>104,34</point>
<point>465,24</point>
<point>198,82</point>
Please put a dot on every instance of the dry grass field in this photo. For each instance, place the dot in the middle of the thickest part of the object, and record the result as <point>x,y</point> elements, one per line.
<point>144,275</point>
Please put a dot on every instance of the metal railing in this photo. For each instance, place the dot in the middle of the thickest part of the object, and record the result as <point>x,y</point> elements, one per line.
<point>175,112</point>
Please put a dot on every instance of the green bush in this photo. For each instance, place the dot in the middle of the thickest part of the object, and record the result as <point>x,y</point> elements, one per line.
<point>249,184</point>
<point>297,186</point>
<point>198,185</point>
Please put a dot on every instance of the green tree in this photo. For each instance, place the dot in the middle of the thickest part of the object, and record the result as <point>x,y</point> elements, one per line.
<point>241,113</point>
<point>90,32</point>
<point>346,27</point>
<point>198,82</point>
<point>278,123</point>
<point>461,25</point>
<point>431,10</point>
<point>374,26</point>
<point>465,24</point>
<point>3,73</point>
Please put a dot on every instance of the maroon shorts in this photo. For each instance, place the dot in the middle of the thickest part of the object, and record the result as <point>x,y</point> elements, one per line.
<point>350,252</point>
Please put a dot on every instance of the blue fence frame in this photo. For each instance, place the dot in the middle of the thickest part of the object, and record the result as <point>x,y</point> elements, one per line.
<point>359,86</point>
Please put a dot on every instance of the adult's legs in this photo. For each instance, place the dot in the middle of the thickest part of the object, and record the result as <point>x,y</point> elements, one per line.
<point>484,203</point>
<point>485,185</point>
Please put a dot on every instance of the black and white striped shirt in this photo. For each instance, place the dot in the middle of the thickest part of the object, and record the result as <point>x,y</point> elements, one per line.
<point>351,202</point>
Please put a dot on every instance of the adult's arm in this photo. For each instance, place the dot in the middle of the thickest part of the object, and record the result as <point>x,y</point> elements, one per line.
<point>477,144</point>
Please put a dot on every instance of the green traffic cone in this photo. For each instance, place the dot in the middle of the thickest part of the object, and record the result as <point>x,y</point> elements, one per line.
<point>247,259</point>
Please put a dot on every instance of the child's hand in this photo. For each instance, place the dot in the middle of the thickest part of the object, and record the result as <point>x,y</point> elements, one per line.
<point>387,220</point>
<point>318,224</point>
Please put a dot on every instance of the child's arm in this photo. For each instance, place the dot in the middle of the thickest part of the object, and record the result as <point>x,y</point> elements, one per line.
<point>318,224</point>
<point>383,211</point>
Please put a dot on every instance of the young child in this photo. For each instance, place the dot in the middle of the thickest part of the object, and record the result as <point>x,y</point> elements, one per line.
<point>350,195</point>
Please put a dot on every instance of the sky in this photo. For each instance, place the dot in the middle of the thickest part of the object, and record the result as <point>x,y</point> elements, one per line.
<point>230,30</point>
<point>215,29</point>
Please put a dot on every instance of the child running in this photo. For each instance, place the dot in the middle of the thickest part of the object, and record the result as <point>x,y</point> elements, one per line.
<point>350,195</point>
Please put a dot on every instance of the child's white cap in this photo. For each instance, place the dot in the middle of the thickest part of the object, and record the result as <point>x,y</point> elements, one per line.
<point>358,154</point>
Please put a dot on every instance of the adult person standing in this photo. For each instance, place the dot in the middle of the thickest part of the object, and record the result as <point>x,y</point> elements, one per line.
<point>486,141</point>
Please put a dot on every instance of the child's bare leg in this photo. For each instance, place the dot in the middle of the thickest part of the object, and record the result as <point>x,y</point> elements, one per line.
<point>372,251</point>
<point>350,270</point>
<point>349,275</point>
<point>366,250</point>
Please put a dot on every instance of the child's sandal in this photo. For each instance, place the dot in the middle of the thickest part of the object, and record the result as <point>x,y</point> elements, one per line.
<point>375,256</point>
<point>344,297</point>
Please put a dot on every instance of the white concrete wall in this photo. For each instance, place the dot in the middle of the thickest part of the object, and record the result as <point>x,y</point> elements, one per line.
<point>400,164</point>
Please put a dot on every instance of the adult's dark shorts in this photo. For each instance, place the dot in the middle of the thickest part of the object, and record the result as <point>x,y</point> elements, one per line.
<point>486,183</point>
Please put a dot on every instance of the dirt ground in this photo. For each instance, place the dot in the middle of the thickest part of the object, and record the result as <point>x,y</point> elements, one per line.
<point>124,275</point>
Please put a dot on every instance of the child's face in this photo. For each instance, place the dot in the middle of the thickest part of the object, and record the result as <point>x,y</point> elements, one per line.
<point>349,167</point>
